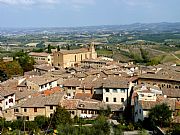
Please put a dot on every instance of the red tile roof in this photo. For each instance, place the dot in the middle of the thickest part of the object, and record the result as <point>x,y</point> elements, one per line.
<point>70,104</point>
<point>48,92</point>
<point>83,95</point>
<point>52,91</point>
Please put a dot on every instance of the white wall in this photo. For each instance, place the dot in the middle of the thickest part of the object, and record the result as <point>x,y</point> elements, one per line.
<point>50,59</point>
<point>146,96</point>
<point>7,104</point>
<point>48,86</point>
<point>115,93</point>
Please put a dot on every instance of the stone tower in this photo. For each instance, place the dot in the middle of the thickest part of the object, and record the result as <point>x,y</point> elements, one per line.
<point>93,51</point>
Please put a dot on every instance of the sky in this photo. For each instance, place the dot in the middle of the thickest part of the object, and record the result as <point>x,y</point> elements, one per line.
<point>67,13</point>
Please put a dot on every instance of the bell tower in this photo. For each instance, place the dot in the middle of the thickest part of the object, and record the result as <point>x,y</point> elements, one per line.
<point>93,51</point>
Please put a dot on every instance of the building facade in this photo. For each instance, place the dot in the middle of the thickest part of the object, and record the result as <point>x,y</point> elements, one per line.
<point>71,58</point>
<point>41,83</point>
<point>42,58</point>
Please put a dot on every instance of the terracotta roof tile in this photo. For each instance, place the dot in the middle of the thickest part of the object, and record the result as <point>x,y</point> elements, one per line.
<point>163,74</point>
<point>54,99</point>
<point>23,94</point>
<point>160,100</point>
<point>81,50</point>
<point>44,67</point>
<point>40,80</point>
<point>83,95</point>
<point>171,92</point>
<point>70,104</point>
<point>177,105</point>
<point>42,101</point>
<point>72,82</point>
<point>5,91</point>
<point>41,54</point>
<point>52,91</point>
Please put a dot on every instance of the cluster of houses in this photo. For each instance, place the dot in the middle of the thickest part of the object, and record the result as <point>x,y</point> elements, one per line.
<point>86,85</point>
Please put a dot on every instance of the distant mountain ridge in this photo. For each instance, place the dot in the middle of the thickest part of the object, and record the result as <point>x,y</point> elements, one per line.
<point>154,27</point>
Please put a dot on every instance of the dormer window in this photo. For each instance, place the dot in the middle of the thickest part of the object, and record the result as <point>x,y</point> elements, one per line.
<point>11,100</point>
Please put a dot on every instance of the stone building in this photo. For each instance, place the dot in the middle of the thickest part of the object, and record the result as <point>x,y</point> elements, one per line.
<point>94,63</point>
<point>147,96</point>
<point>42,57</point>
<point>41,83</point>
<point>7,98</point>
<point>71,58</point>
<point>165,78</point>
<point>35,106</point>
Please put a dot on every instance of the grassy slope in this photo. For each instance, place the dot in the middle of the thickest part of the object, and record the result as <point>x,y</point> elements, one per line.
<point>158,53</point>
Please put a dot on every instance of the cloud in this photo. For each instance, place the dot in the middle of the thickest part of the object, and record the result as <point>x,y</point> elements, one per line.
<point>79,4</point>
<point>27,2</point>
<point>133,3</point>
<point>83,2</point>
<point>15,2</point>
<point>72,3</point>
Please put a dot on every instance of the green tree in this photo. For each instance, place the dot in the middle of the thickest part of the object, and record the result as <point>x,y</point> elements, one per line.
<point>2,123</point>
<point>58,48</point>
<point>31,126</point>
<point>68,47</point>
<point>37,50</point>
<point>3,76</point>
<point>153,62</point>
<point>25,61</point>
<point>76,119</point>
<point>61,116</point>
<point>144,55</point>
<point>40,45</point>
<point>136,56</point>
<point>41,121</point>
<point>106,112</point>
<point>175,130</point>
<point>9,69</point>
<point>118,130</point>
<point>49,49</point>
<point>101,126</point>
<point>160,115</point>
<point>17,124</point>
<point>73,130</point>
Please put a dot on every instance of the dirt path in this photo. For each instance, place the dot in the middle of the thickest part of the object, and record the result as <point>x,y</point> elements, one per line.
<point>175,56</point>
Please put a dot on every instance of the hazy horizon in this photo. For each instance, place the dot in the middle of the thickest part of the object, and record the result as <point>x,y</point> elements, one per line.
<point>24,27</point>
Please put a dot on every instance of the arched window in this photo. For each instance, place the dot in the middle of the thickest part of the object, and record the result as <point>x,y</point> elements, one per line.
<point>75,58</point>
